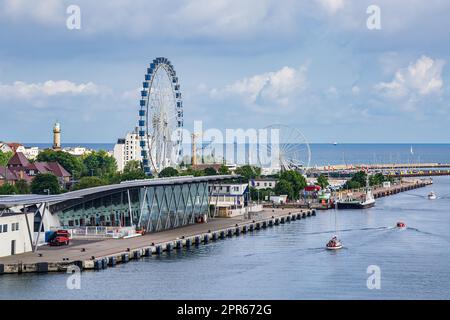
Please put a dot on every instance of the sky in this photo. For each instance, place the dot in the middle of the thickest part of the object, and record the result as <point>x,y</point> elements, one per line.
<point>313,65</point>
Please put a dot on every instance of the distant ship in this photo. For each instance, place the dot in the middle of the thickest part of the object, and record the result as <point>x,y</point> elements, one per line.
<point>335,143</point>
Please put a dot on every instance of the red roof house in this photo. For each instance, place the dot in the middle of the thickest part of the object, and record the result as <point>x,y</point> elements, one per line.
<point>19,168</point>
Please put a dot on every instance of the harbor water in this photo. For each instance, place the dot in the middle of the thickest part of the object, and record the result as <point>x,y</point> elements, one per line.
<point>288,261</point>
<point>328,154</point>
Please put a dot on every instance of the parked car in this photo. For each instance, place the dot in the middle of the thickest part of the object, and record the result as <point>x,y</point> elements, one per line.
<point>60,238</point>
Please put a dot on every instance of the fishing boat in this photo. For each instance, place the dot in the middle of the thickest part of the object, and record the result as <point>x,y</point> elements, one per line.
<point>432,196</point>
<point>366,201</point>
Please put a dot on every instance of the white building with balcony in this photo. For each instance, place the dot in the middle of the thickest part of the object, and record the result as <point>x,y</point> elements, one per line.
<point>127,149</point>
<point>229,199</point>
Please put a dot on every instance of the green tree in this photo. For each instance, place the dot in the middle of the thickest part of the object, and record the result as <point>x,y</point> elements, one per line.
<point>284,187</point>
<point>99,163</point>
<point>322,181</point>
<point>223,170</point>
<point>377,179</point>
<point>351,184</point>
<point>297,181</point>
<point>260,194</point>
<point>210,171</point>
<point>133,171</point>
<point>168,172</point>
<point>71,163</point>
<point>89,182</point>
<point>4,157</point>
<point>248,172</point>
<point>22,187</point>
<point>43,182</point>
<point>8,189</point>
<point>357,181</point>
<point>192,172</point>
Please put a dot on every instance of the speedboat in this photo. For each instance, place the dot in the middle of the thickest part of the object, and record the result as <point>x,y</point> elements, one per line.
<point>334,244</point>
<point>401,225</point>
<point>432,196</point>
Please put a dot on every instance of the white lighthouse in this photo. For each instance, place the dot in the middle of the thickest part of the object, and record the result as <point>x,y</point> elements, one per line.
<point>57,137</point>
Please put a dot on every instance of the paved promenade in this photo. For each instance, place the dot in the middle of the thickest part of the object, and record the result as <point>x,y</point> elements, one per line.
<point>108,247</point>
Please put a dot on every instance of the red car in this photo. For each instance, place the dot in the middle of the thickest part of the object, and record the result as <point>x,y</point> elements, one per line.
<point>60,238</point>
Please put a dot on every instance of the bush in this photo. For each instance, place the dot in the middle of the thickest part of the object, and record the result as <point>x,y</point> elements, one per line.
<point>168,172</point>
<point>210,171</point>
<point>89,182</point>
<point>8,189</point>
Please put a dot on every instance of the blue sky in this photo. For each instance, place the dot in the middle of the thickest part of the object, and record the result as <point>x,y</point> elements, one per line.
<point>311,64</point>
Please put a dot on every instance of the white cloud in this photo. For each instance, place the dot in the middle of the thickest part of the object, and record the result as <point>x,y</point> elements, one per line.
<point>42,11</point>
<point>23,90</point>
<point>332,91</point>
<point>218,19</point>
<point>267,89</point>
<point>332,6</point>
<point>424,77</point>
<point>356,90</point>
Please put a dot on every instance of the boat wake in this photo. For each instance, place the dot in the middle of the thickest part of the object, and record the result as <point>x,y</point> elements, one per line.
<point>345,230</point>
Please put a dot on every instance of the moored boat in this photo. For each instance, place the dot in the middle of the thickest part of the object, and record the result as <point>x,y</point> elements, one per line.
<point>366,201</point>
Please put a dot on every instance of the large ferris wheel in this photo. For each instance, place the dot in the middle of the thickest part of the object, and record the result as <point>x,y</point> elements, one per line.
<point>160,117</point>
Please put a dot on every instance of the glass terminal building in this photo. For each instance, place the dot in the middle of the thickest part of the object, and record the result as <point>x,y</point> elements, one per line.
<point>152,204</point>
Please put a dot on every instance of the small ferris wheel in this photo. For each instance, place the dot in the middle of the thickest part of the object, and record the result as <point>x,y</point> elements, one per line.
<point>286,149</point>
<point>160,117</point>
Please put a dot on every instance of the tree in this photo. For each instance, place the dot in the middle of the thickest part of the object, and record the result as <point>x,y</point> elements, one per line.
<point>223,170</point>
<point>43,182</point>
<point>7,189</point>
<point>22,187</point>
<point>71,163</point>
<point>297,181</point>
<point>260,194</point>
<point>210,171</point>
<point>284,187</point>
<point>192,172</point>
<point>248,172</point>
<point>133,171</point>
<point>4,157</point>
<point>322,181</point>
<point>168,172</point>
<point>89,182</point>
<point>99,163</point>
<point>377,179</point>
<point>357,181</point>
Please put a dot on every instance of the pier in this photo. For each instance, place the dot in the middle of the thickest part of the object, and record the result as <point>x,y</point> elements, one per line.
<point>379,191</point>
<point>96,255</point>
<point>392,170</point>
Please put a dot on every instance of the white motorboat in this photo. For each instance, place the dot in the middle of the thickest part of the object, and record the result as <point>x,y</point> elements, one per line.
<point>334,244</point>
<point>432,196</point>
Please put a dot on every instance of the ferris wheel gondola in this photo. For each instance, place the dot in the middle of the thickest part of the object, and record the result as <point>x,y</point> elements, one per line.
<point>160,117</point>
